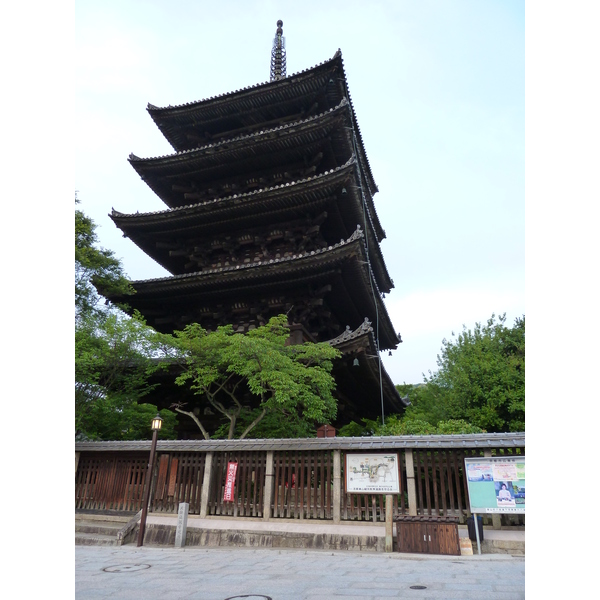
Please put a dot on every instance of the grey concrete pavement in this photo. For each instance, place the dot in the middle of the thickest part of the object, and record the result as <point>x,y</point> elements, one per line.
<point>129,572</point>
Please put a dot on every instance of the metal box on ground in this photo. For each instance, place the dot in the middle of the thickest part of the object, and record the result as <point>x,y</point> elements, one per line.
<point>471,528</point>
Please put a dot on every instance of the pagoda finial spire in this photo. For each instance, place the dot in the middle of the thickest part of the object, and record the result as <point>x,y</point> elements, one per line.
<point>278,54</point>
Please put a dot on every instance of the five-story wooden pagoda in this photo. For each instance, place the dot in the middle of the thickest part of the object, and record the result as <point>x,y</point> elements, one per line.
<point>270,210</point>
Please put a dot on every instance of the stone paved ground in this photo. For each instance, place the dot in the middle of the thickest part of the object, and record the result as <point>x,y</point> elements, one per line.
<point>128,572</point>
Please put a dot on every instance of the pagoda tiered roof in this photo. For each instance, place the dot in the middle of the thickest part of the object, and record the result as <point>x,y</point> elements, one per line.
<point>163,235</point>
<point>246,110</point>
<point>362,377</point>
<point>340,272</point>
<point>291,151</point>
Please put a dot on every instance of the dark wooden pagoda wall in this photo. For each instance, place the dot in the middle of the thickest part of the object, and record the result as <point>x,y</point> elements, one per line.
<point>276,239</point>
<point>238,123</point>
<point>307,306</point>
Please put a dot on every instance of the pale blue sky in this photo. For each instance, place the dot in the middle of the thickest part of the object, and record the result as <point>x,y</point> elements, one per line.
<point>438,89</point>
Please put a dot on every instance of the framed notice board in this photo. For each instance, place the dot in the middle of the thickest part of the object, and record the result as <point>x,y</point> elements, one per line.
<point>496,485</point>
<point>372,473</point>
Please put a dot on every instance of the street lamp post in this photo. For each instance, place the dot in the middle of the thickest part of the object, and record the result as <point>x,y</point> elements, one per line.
<point>156,425</point>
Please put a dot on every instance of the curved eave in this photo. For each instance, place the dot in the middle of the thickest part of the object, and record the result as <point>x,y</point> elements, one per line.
<point>241,155</point>
<point>248,98</point>
<point>182,212</point>
<point>312,261</point>
<point>142,227</point>
<point>311,265</point>
<point>205,212</point>
<point>172,119</point>
<point>242,141</point>
<point>361,343</point>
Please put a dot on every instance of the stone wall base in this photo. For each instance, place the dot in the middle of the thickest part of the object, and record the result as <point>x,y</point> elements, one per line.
<point>164,535</point>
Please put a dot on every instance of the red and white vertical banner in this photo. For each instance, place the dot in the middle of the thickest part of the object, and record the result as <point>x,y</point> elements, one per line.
<point>230,482</point>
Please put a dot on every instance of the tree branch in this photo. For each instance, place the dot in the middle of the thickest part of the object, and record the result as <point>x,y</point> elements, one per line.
<point>254,423</point>
<point>196,420</point>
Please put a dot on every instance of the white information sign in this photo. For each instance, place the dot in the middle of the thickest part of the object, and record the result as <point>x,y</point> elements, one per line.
<point>372,473</point>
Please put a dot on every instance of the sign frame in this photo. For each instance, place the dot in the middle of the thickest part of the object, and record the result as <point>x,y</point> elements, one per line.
<point>372,466</point>
<point>496,484</point>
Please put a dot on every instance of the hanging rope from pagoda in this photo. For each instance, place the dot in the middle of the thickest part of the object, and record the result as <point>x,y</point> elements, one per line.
<point>278,54</point>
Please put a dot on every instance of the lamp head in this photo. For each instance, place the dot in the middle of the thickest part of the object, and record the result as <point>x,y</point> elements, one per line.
<point>156,423</point>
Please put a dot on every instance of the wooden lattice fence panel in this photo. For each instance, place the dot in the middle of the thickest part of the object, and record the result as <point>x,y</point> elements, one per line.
<point>249,484</point>
<point>112,481</point>
<point>303,485</point>
<point>179,479</point>
<point>440,482</point>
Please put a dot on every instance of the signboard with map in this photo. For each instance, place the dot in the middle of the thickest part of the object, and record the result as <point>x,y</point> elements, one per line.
<point>496,485</point>
<point>372,473</point>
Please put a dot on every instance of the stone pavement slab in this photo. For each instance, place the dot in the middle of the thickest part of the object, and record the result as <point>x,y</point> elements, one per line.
<point>129,572</point>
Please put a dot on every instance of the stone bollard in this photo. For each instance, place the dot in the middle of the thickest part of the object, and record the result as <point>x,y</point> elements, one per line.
<point>182,515</point>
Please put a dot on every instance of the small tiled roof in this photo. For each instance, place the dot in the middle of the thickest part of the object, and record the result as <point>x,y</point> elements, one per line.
<point>476,441</point>
<point>363,329</point>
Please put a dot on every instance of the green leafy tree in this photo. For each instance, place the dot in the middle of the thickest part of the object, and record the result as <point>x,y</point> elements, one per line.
<point>456,426</point>
<point>354,429</point>
<point>114,354</point>
<point>94,266</point>
<point>276,424</point>
<point>481,376</point>
<point>480,380</point>
<point>291,381</point>
<point>406,425</point>
<point>426,402</point>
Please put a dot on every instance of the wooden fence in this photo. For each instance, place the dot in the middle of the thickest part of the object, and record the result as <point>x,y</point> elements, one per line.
<point>111,481</point>
<point>276,482</point>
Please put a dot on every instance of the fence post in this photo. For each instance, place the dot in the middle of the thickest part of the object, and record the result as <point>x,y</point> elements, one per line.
<point>205,495</point>
<point>76,461</point>
<point>337,486</point>
<point>269,482</point>
<point>410,480</point>
<point>496,519</point>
